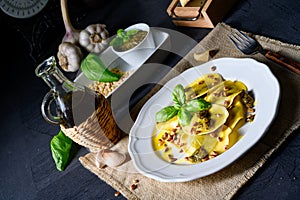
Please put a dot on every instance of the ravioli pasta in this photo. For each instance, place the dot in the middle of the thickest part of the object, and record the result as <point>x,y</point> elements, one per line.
<point>210,132</point>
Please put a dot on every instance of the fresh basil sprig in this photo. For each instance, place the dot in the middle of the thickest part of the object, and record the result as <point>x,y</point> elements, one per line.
<point>121,37</point>
<point>183,109</point>
<point>94,69</point>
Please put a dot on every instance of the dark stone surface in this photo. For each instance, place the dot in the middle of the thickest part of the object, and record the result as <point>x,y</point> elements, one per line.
<point>27,170</point>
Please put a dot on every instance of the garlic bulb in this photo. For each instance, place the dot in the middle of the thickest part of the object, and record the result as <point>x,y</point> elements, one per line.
<point>94,38</point>
<point>72,34</point>
<point>69,56</point>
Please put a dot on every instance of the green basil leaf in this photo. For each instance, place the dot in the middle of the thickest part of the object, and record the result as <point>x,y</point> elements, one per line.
<point>116,42</point>
<point>120,32</point>
<point>132,32</point>
<point>178,96</point>
<point>165,114</point>
<point>61,147</point>
<point>196,105</point>
<point>184,117</point>
<point>125,37</point>
<point>94,69</point>
<point>121,37</point>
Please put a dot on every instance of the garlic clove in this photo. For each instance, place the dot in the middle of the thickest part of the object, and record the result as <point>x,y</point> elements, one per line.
<point>205,56</point>
<point>104,35</point>
<point>110,158</point>
<point>91,28</point>
<point>202,57</point>
<point>98,29</point>
<point>90,48</point>
<point>84,38</point>
<point>98,48</point>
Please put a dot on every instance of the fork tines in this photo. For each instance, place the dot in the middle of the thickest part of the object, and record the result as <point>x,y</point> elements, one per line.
<point>243,42</point>
<point>240,36</point>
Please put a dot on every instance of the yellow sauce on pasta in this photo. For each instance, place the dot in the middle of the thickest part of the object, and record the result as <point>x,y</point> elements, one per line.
<point>190,144</point>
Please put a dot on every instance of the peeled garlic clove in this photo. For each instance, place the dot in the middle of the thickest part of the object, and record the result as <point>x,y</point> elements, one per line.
<point>202,57</point>
<point>205,56</point>
<point>110,158</point>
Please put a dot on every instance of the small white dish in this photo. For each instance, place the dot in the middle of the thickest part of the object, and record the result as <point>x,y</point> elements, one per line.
<point>259,80</point>
<point>133,55</point>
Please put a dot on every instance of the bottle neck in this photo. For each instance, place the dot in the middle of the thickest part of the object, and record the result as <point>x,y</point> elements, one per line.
<point>58,82</point>
<point>54,78</point>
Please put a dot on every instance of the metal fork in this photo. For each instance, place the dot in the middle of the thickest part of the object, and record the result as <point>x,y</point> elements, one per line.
<point>249,46</point>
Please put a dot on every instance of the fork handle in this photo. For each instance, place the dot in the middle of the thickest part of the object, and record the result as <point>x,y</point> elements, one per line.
<point>290,64</point>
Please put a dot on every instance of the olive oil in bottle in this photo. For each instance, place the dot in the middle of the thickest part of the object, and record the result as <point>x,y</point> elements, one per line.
<point>83,115</point>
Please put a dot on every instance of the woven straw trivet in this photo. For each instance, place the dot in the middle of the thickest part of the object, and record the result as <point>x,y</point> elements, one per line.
<point>98,131</point>
<point>225,183</point>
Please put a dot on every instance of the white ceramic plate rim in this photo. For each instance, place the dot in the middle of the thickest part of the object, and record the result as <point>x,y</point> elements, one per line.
<point>258,78</point>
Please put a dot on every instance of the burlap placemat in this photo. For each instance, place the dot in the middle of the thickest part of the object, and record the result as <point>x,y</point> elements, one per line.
<point>225,183</point>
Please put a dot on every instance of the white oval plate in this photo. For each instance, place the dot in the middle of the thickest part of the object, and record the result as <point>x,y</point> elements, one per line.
<point>258,78</point>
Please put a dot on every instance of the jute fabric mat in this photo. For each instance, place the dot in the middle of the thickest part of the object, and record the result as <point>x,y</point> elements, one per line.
<point>225,183</point>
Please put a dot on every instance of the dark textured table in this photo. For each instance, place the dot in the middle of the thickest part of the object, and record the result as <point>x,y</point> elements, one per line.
<point>27,170</point>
